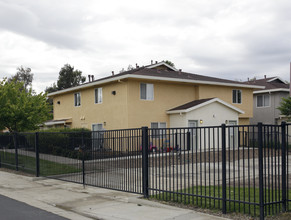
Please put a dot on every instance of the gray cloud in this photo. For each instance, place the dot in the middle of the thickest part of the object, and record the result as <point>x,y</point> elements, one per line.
<point>228,38</point>
<point>42,22</point>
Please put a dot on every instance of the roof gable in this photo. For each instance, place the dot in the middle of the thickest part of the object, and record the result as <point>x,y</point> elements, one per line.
<point>162,66</point>
<point>191,106</point>
<point>276,80</point>
<point>271,84</point>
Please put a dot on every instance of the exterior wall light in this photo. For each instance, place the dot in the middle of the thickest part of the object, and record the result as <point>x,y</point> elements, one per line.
<point>201,121</point>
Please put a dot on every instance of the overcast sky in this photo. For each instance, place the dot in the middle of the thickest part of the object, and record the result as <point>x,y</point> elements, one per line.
<point>230,39</point>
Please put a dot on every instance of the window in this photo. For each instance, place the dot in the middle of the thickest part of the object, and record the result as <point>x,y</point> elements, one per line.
<point>77,97</point>
<point>158,131</point>
<point>98,95</point>
<point>263,100</point>
<point>97,136</point>
<point>236,96</point>
<point>146,91</point>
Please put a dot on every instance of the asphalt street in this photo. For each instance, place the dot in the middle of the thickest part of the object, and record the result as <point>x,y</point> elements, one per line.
<point>11,209</point>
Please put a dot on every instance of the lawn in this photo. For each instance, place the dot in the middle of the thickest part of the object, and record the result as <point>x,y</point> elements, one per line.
<point>239,200</point>
<point>28,164</point>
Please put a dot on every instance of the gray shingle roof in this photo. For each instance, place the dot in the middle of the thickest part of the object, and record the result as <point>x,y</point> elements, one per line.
<point>176,75</point>
<point>273,84</point>
<point>165,74</point>
<point>190,104</point>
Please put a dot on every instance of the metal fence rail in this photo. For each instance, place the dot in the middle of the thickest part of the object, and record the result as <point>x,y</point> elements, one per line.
<point>232,168</point>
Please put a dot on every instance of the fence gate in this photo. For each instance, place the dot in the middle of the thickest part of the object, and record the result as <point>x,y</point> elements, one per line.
<point>117,164</point>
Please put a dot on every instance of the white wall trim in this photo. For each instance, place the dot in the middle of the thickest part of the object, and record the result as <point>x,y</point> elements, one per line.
<point>271,90</point>
<point>204,104</point>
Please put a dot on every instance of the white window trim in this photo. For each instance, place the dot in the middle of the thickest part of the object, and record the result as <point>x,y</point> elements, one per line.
<point>98,97</point>
<point>160,135</point>
<point>159,123</point>
<point>146,99</point>
<point>240,96</point>
<point>98,124</point>
<point>75,100</point>
<point>264,106</point>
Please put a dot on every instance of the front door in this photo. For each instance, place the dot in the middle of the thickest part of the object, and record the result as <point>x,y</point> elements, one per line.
<point>233,134</point>
<point>193,124</point>
<point>97,136</point>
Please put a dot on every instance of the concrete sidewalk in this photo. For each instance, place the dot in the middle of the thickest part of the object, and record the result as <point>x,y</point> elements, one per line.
<point>72,201</point>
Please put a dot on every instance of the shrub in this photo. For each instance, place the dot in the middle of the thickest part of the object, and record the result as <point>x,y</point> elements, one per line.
<point>64,142</point>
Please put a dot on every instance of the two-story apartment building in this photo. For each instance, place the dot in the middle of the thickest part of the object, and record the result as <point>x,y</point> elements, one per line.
<point>147,96</point>
<point>267,100</point>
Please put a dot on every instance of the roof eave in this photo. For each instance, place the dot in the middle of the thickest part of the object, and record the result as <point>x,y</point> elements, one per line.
<point>117,78</point>
<point>196,81</point>
<point>271,90</point>
<point>95,83</point>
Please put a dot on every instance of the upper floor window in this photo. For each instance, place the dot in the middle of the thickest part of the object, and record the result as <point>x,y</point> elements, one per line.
<point>98,95</point>
<point>263,100</point>
<point>77,97</point>
<point>147,91</point>
<point>236,96</point>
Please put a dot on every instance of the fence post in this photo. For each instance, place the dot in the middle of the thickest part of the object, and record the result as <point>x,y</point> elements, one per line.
<point>37,154</point>
<point>284,187</point>
<point>16,150</point>
<point>176,142</point>
<point>0,160</point>
<point>223,142</point>
<point>83,159</point>
<point>261,171</point>
<point>188,141</point>
<point>145,163</point>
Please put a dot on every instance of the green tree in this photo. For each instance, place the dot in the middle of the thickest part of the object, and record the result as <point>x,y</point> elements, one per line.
<point>21,110</point>
<point>285,106</point>
<point>51,88</point>
<point>23,75</point>
<point>68,77</point>
<point>170,63</point>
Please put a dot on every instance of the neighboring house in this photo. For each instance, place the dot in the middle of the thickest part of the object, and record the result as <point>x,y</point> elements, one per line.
<point>267,100</point>
<point>148,96</point>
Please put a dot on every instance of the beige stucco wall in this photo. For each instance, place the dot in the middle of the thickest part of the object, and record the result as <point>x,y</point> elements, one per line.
<point>166,96</point>
<point>112,110</point>
<point>213,114</point>
<point>225,94</point>
<point>244,121</point>
<point>127,110</point>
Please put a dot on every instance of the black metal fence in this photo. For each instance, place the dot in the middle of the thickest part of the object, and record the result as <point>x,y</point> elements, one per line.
<point>232,168</point>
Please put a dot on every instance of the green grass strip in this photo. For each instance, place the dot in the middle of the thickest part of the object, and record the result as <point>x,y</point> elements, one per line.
<point>237,199</point>
<point>28,164</point>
